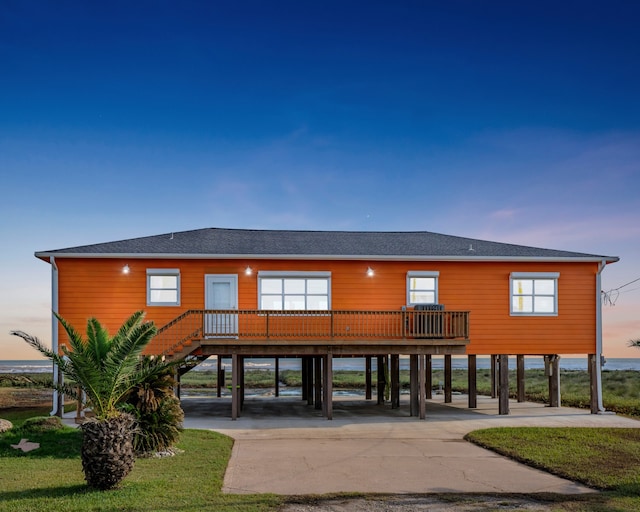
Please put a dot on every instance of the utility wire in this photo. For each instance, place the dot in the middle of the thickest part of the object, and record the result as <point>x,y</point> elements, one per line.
<point>611,297</point>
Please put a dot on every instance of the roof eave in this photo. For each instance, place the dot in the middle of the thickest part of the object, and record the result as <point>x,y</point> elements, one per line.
<point>587,258</point>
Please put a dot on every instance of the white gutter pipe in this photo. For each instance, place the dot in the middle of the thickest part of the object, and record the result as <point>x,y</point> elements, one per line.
<point>601,267</point>
<point>57,397</point>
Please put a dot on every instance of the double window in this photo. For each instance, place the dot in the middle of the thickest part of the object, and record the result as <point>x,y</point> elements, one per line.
<point>294,291</point>
<point>163,287</point>
<point>534,293</point>
<point>422,287</point>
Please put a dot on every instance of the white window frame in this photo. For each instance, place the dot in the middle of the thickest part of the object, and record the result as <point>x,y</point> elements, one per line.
<point>533,276</point>
<point>172,272</point>
<point>272,274</point>
<point>422,273</point>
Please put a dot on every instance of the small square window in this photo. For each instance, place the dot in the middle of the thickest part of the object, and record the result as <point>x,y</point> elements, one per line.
<point>534,293</point>
<point>163,287</point>
<point>422,287</point>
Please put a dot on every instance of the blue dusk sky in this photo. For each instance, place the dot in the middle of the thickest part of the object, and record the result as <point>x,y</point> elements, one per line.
<point>509,121</point>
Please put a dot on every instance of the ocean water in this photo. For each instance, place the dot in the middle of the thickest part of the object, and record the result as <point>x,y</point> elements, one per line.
<point>352,363</point>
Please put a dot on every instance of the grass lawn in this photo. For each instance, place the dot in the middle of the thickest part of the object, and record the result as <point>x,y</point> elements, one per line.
<point>51,478</point>
<point>603,458</point>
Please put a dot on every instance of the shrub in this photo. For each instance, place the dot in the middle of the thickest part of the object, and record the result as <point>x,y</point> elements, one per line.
<point>157,412</point>
<point>41,424</point>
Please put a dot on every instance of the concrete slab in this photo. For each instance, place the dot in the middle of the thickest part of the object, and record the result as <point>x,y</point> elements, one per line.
<point>284,446</point>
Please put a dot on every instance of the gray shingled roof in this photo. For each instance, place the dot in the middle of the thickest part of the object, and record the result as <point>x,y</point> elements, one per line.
<point>217,242</point>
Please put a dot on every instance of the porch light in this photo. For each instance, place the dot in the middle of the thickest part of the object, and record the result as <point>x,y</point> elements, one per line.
<point>370,272</point>
<point>248,271</point>
<point>125,269</point>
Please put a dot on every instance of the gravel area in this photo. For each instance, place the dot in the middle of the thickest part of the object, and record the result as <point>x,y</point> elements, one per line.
<point>422,503</point>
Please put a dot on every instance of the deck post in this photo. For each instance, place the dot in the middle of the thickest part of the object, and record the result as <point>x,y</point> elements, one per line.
<point>307,379</point>
<point>593,369</point>
<point>277,382</point>
<point>234,386</point>
<point>447,379</point>
<point>241,377</point>
<point>395,381</point>
<point>328,386</point>
<point>503,375</point>
<point>422,405</point>
<point>414,399</point>
<point>552,364</point>
<point>472,381</point>
<point>520,378</point>
<point>303,377</point>
<point>494,373</point>
<point>221,378</point>
<point>318,382</point>
<point>367,372</point>
<point>429,377</point>
<point>381,379</point>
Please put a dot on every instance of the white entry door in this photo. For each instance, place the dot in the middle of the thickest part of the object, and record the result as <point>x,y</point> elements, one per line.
<point>221,294</point>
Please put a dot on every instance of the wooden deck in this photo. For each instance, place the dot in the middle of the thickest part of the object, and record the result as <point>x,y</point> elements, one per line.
<point>259,332</point>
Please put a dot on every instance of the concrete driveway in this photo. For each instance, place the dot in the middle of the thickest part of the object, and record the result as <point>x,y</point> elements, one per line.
<point>286,447</point>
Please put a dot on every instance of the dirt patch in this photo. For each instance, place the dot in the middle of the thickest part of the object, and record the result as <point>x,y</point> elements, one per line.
<point>423,503</point>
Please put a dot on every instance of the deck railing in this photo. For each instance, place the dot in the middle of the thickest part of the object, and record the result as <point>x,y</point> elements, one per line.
<point>351,326</point>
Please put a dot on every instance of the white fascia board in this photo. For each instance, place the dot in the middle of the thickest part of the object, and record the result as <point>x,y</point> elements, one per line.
<point>595,259</point>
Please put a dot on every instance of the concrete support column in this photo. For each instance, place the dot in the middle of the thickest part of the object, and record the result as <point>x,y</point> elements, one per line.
<point>472,381</point>
<point>447,379</point>
<point>277,379</point>
<point>520,378</point>
<point>503,375</point>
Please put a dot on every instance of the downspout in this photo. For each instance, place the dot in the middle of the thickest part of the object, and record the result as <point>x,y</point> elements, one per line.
<point>57,397</point>
<point>601,266</point>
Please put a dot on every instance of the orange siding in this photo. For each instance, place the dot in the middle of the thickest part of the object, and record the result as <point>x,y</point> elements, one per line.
<point>97,287</point>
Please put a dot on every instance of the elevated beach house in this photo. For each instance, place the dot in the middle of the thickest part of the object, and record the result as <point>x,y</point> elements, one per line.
<point>320,295</point>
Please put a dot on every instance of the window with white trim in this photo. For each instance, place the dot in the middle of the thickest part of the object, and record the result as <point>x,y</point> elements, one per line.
<point>163,287</point>
<point>294,291</point>
<point>422,287</point>
<point>534,293</point>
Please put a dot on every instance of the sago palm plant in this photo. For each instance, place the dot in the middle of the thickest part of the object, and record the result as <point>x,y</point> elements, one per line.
<point>157,411</point>
<point>106,368</point>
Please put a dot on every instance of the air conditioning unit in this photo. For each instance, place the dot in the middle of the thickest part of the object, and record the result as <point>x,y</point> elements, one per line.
<point>426,325</point>
<point>428,307</point>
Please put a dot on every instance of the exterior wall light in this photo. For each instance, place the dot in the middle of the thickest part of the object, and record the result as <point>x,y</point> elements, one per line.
<point>248,271</point>
<point>126,269</point>
<point>370,272</point>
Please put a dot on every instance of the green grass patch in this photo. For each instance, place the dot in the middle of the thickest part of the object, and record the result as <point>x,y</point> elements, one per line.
<point>603,458</point>
<point>51,478</point>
